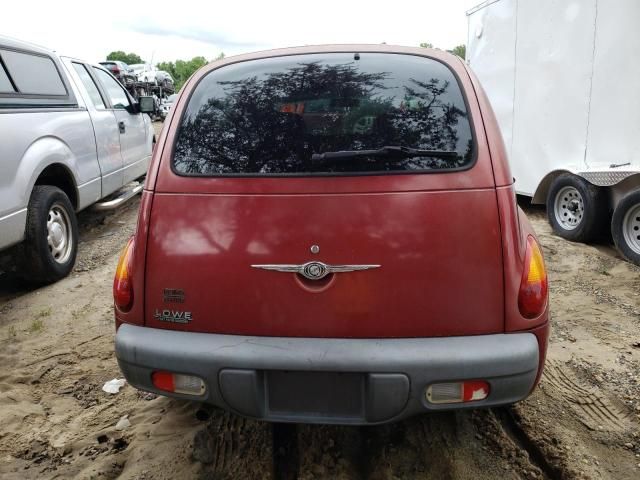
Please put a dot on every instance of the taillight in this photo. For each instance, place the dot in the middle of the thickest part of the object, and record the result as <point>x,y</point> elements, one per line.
<point>115,71</point>
<point>178,383</point>
<point>458,392</point>
<point>532,298</point>
<point>122,282</point>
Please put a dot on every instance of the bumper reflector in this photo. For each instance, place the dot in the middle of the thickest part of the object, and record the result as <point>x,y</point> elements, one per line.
<point>178,383</point>
<point>457,392</point>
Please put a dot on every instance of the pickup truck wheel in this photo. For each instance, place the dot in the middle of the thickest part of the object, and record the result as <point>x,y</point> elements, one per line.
<point>577,209</point>
<point>625,226</point>
<point>51,236</point>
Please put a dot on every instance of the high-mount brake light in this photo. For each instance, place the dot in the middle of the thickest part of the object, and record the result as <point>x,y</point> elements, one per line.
<point>534,287</point>
<point>122,282</point>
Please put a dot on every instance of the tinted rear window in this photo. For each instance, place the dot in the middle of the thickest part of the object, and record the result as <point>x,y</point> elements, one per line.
<point>269,116</point>
<point>33,74</point>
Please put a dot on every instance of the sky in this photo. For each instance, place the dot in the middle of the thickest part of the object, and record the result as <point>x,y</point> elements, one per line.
<point>159,30</point>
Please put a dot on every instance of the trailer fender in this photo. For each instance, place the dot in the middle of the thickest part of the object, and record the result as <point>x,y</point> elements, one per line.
<point>621,189</point>
<point>540,196</point>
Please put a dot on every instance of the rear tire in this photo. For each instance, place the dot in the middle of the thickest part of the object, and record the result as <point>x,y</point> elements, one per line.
<point>51,236</point>
<point>577,210</point>
<point>625,227</point>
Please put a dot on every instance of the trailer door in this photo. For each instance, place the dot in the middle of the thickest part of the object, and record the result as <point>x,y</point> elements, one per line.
<point>614,116</point>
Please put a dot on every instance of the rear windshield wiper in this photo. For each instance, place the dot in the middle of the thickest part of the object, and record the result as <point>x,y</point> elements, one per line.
<point>389,152</point>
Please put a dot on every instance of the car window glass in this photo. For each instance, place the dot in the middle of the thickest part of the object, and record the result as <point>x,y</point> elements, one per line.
<point>90,85</point>
<point>116,93</point>
<point>275,115</point>
<point>33,74</point>
<point>5,83</point>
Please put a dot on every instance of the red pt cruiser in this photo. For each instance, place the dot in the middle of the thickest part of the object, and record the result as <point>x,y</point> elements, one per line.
<point>330,235</point>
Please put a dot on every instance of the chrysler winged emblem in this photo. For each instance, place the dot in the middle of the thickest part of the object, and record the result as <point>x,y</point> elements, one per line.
<point>314,270</point>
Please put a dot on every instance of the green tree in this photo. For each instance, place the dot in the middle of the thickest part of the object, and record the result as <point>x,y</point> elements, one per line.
<point>181,70</point>
<point>128,58</point>
<point>460,51</point>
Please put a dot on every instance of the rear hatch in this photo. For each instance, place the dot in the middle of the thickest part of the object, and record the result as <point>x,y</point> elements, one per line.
<point>246,197</point>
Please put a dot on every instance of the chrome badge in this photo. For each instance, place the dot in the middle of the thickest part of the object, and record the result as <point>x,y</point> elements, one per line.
<point>173,295</point>
<point>172,316</point>
<point>314,270</point>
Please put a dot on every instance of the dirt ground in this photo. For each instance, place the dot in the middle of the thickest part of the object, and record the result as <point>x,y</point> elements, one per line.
<point>56,344</point>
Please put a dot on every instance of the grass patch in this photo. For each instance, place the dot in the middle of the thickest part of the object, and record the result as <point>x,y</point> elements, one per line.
<point>45,312</point>
<point>36,326</point>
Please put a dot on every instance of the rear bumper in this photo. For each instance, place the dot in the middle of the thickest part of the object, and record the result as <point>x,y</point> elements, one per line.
<point>384,379</point>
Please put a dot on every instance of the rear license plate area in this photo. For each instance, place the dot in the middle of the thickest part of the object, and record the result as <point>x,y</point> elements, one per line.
<point>315,394</point>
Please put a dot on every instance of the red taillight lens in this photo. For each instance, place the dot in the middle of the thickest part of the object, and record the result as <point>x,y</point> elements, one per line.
<point>122,282</point>
<point>532,298</point>
<point>115,71</point>
<point>458,392</point>
<point>163,381</point>
<point>178,383</point>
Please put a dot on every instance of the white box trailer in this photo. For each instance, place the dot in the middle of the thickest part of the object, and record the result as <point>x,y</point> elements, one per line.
<point>563,78</point>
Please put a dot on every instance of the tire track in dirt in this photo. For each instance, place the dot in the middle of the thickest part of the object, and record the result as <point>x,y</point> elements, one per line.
<point>232,447</point>
<point>592,408</point>
<point>447,445</point>
<point>512,428</point>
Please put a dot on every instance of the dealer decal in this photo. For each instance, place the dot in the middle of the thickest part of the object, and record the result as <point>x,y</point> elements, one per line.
<point>172,316</point>
<point>173,295</point>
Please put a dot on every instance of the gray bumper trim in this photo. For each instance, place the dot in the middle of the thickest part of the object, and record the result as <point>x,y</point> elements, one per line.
<point>509,362</point>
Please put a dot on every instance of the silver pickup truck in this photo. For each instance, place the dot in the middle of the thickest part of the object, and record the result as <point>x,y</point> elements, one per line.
<point>70,136</point>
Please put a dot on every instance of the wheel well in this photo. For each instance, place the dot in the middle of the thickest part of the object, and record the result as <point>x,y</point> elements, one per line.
<point>59,176</point>
<point>540,196</point>
<point>620,189</point>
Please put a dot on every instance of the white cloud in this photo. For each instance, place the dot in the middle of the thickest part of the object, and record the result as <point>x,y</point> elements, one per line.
<point>166,30</point>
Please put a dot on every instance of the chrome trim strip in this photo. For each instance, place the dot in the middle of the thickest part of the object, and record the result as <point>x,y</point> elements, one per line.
<point>314,270</point>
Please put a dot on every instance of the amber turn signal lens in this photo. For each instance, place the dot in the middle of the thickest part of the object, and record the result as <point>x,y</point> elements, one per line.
<point>532,299</point>
<point>122,282</point>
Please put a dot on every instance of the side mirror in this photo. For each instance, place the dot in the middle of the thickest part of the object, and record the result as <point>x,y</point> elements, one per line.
<point>147,104</point>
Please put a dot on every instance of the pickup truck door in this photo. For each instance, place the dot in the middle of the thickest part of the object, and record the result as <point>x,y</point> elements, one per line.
<point>105,127</point>
<point>132,128</point>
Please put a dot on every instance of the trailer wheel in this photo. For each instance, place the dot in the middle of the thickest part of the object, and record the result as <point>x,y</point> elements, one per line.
<point>51,243</point>
<point>577,210</point>
<point>625,227</point>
